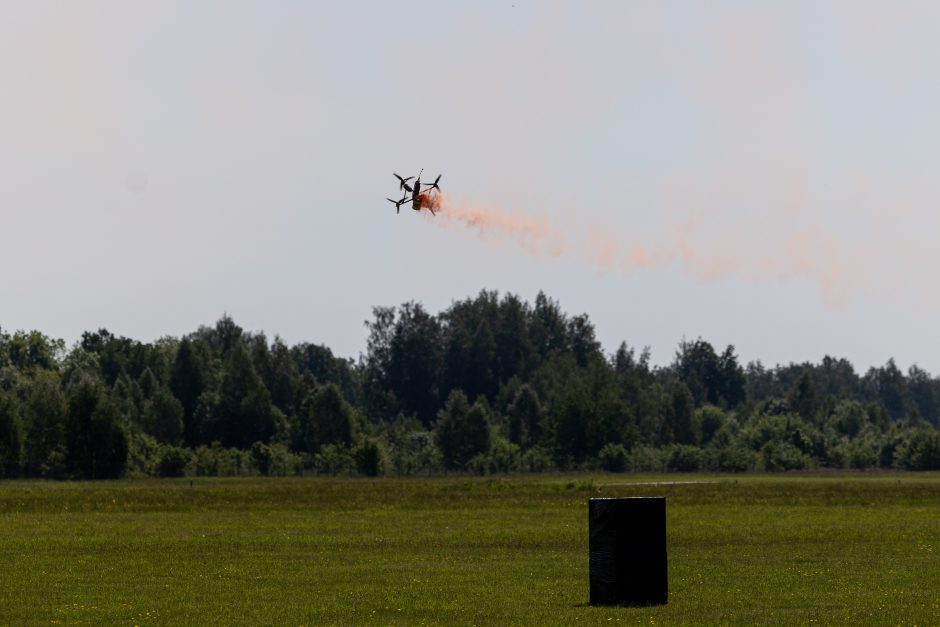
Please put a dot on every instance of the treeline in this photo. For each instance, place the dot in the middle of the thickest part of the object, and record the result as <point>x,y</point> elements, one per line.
<point>491,384</point>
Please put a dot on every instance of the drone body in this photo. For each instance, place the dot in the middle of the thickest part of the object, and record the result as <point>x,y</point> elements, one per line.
<point>429,198</point>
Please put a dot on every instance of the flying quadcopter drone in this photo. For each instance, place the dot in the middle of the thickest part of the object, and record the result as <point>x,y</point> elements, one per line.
<point>428,199</point>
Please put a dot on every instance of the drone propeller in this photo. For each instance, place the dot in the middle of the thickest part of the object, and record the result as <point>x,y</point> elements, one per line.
<point>402,182</point>
<point>434,184</point>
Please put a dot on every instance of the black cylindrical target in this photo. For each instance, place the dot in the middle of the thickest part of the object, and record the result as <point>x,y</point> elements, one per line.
<point>627,545</point>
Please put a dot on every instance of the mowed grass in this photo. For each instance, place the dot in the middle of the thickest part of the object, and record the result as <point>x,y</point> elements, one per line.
<point>855,548</point>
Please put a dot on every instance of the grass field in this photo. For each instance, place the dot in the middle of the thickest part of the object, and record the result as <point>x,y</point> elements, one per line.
<point>854,548</point>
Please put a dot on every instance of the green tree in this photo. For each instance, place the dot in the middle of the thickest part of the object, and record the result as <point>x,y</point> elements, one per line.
<point>32,351</point>
<point>411,449</point>
<point>849,418</point>
<point>189,378</point>
<point>403,362</point>
<point>924,392</point>
<point>732,381</point>
<point>173,461</point>
<point>584,344</point>
<point>479,378</point>
<point>244,413</point>
<point>920,452</point>
<point>461,431</point>
<point>641,393</point>
<point>525,418</point>
<point>318,362</point>
<point>416,361</point>
<point>11,435</point>
<point>548,328</point>
<point>326,418</point>
<point>837,379</point>
<point>148,383</point>
<point>369,458</point>
<point>262,457</point>
<point>123,356</point>
<point>223,337</point>
<point>680,414</point>
<point>469,344</point>
<point>888,386</point>
<point>380,400</point>
<point>710,420</point>
<point>45,412</point>
<point>281,378</point>
<point>803,398</point>
<point>613,457</point>
<point>760,381</point>
<point>96,443</point>
<point>163,417</point>
<point>697,366</point>
<point>333,460</point>
<point>514,351</point>
<point>588,411</point>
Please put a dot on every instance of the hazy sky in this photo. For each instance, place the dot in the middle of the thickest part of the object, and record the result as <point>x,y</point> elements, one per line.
<point>761,174</point>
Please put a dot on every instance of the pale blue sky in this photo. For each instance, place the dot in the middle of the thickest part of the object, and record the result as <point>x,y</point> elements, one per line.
<point>165,162</point>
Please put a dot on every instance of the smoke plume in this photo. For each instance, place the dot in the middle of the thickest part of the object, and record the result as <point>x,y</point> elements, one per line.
<point>536,235</point>
<point>697,247</point>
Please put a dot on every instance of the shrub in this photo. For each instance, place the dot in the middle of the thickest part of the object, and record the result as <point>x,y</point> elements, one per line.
<point>143,454</point>
<point>784,456</point>
<point>710,420</point>
<point>283,462</point>
<point>837,455</point>
<point>217,461</point>
<point>173,461</point>
<point>864,453</point>
<point>334,460</point>
<point>684,458</point>
<point>613,457</point>
<point>369,458</point>
<point>503,456</point>
<point>261,457</point>
<point>536,459</point>
<point>921,452</point>
<point>477,465</point>
<point>410,448</point>
<point>647,459</point>
<point>732,459</point>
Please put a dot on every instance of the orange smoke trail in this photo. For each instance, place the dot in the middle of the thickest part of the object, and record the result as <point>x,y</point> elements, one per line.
<point>536,235</point>
<point>811,253</point>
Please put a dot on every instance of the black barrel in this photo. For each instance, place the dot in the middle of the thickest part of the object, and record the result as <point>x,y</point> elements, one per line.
<point>627,545</point>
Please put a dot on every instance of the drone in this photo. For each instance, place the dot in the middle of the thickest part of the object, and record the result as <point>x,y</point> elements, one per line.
<point>419,199</point>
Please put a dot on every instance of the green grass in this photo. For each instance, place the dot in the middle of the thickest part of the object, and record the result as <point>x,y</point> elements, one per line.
<point>854,548</point>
